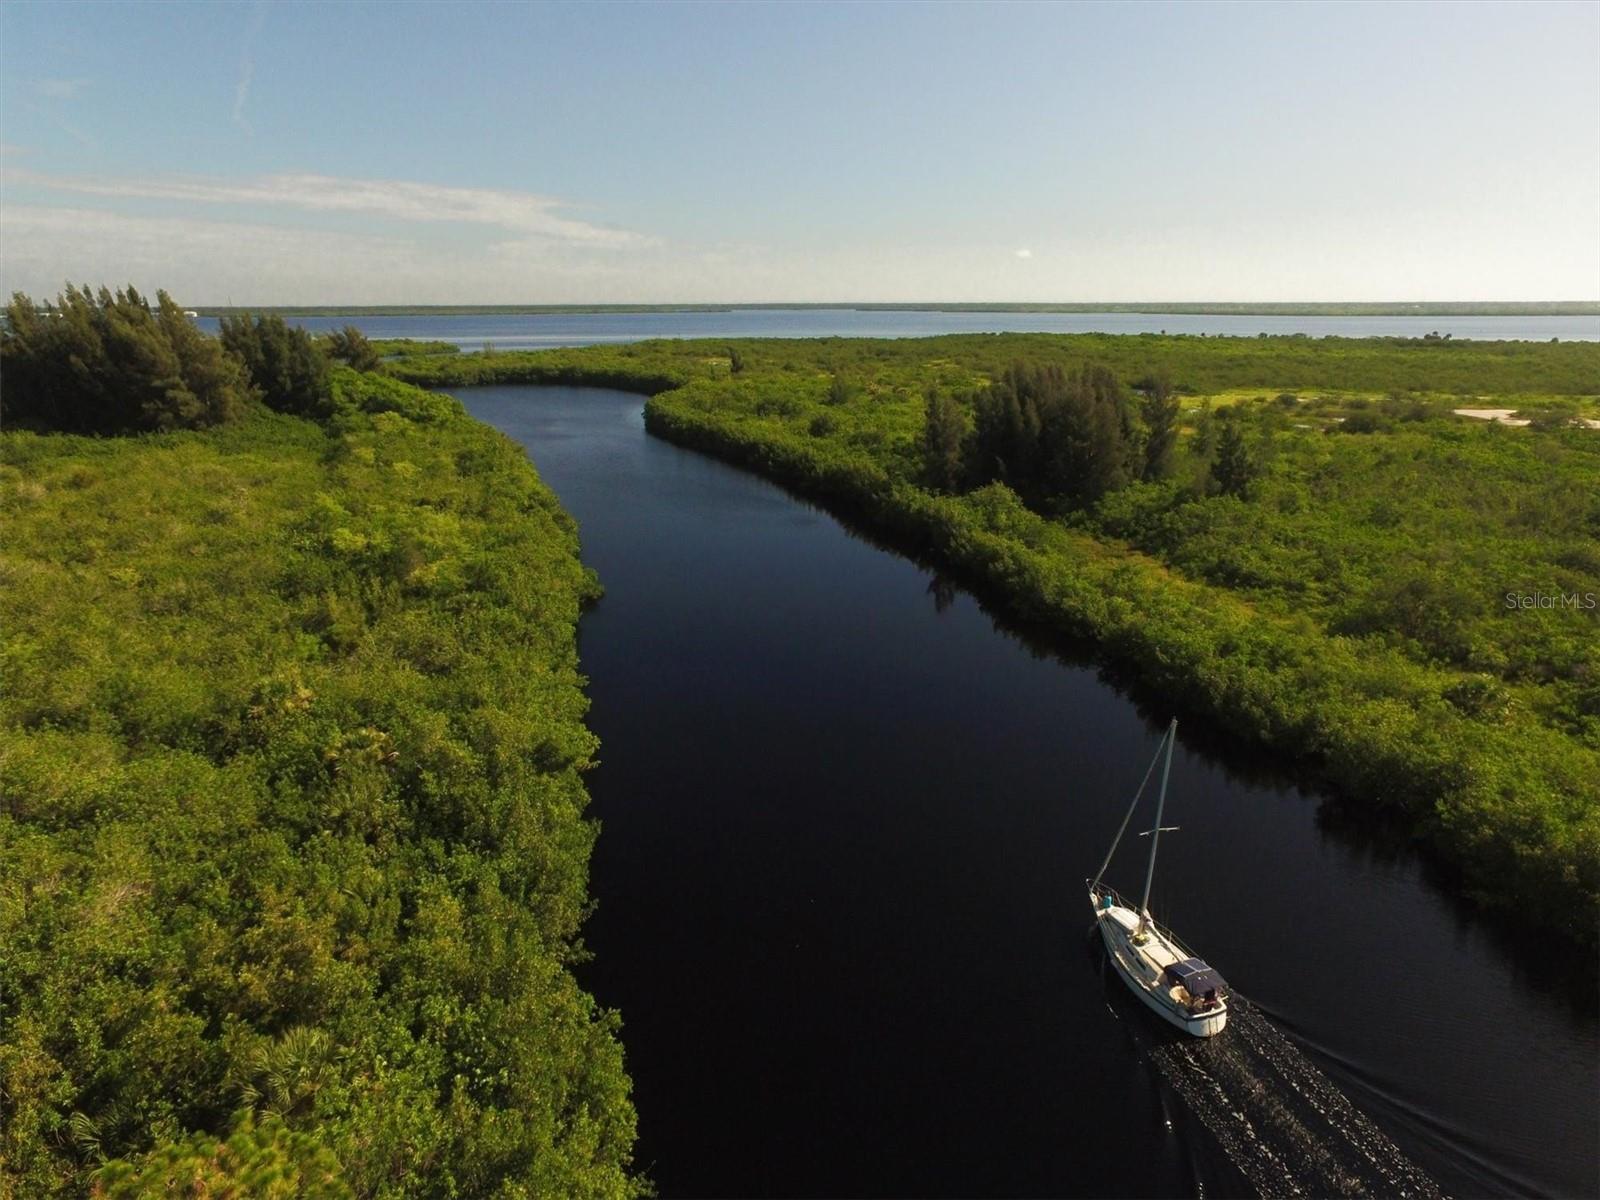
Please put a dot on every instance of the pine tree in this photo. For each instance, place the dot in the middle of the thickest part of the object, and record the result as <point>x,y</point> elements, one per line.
<point>1233,469</point>
<point>943,432</point>
<point>1159,411</point>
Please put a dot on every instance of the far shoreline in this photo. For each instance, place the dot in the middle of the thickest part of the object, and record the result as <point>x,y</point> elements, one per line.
<point>1533,308</point>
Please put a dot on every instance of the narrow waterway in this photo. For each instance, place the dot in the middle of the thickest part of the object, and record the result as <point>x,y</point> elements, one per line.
<point>846,822</point>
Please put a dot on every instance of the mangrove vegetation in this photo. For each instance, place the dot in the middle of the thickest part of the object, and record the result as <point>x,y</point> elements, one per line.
<point>293,854</point>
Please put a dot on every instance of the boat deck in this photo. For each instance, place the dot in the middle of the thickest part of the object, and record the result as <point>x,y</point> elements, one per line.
<point>1154,949</point>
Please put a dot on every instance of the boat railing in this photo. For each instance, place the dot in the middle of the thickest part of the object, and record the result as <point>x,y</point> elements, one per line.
<point>1167,935</point>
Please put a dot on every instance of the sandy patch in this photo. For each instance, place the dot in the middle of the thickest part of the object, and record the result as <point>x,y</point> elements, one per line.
<point>1502,415</point>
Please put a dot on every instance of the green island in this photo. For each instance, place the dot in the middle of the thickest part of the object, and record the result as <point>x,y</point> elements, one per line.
<point>293,855</point>
<point>1295,538</point>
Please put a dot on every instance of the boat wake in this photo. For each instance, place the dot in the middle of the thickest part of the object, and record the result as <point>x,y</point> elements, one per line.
<point>1279,1120</point>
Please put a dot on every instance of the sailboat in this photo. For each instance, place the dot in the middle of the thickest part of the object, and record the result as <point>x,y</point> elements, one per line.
<point>1159,969</point>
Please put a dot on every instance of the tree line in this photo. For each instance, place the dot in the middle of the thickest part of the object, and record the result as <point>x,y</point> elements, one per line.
<point>104,362</point>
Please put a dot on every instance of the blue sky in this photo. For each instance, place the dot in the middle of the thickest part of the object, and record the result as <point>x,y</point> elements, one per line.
<point>502,153</point>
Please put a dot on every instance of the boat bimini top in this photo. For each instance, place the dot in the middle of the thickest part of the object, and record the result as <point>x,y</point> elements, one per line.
<point>1196,977</point>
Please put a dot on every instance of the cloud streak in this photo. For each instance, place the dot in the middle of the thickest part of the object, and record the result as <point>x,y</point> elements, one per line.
<point>247,68</point>
<point>221,261</point>
<point>524,215</point>
<point>241,93</point>
<point>64,125</point>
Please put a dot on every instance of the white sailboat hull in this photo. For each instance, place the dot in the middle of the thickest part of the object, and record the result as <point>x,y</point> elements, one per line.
<point>1141,966</point>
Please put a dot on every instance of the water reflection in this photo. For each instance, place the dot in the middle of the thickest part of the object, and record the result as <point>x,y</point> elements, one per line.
<point>943,589</point>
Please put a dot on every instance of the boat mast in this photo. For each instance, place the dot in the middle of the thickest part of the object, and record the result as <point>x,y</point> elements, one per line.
<point>1128,816</point>
<point>1155,834</point>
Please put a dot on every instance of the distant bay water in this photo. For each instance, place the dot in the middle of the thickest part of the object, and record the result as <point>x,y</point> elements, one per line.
<point>541,331</point>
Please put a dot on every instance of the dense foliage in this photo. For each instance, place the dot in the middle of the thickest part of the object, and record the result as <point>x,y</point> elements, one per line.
<point>1194,365</point>
<point>287,368</point>
<point>408,347</point>
<point>643,366</point>
<point>110,363</point>
<point>1311,550</point>
<point>292,849</point>
<point>1053,434</point>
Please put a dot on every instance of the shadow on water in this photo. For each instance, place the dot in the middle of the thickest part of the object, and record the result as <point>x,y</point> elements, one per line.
<point>1386,838</point>
<point>1282,1126</point>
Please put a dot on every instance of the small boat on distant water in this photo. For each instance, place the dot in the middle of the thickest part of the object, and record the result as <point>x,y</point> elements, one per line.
<point>1152,962</point>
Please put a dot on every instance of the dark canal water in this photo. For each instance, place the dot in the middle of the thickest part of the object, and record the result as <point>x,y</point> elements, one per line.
<point>846,822</point>
<point>541,331</point>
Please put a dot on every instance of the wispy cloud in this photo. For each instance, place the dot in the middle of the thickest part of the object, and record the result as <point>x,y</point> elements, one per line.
<point>1024,253</point>
<point>221,261</point>
<point>247,67</point>
<point>241,93</point>
<point>50,97</point>
<point>65,126</point>
<point>524,215</point>
<point>200,261</point>
<point>60,89</point>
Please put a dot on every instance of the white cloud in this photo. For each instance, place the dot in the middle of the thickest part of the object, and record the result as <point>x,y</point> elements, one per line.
<point>523,214</point>
<point>1024,253</point>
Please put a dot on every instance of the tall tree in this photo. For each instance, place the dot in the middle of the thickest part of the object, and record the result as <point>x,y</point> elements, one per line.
<point>1159,411</point>
<point>1087,435</point>
<point>1054,435</point>
<point>944,428</point>
<point>1233,469</point>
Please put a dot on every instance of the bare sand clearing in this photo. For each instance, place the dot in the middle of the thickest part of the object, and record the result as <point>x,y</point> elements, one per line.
<point>1504,417</point>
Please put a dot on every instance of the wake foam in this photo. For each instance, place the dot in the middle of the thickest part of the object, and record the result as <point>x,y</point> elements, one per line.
<point>1280,1121</point>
